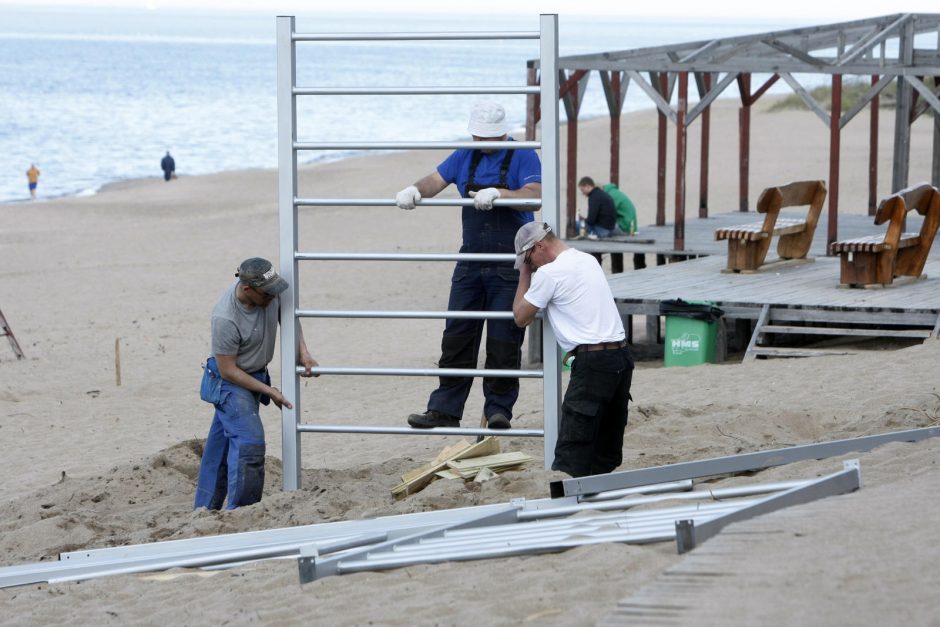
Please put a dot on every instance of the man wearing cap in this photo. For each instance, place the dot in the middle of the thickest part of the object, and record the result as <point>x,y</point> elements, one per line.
<point>235,381</point>
<point>485,175</point>
<point>572,289</point>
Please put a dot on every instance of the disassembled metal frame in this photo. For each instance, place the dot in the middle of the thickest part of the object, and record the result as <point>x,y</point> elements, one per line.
<point>734,463</point>
<point>519,527</point>
<point>516,528</point>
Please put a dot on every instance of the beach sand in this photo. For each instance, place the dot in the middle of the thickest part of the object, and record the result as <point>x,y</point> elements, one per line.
<point>93,464</point>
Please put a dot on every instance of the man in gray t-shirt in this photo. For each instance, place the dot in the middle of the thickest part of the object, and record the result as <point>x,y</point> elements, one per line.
<point>236,381</point>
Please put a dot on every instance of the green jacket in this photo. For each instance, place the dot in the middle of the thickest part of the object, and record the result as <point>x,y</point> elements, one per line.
<point>626,212</point>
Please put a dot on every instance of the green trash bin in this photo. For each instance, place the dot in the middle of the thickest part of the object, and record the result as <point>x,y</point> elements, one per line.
<point>691,332</point>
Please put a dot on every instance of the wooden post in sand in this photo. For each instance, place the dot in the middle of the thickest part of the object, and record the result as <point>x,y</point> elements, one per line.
<point>117,361</point>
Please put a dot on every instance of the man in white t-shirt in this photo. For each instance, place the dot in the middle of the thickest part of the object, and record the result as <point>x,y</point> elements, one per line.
<point>571,288</point>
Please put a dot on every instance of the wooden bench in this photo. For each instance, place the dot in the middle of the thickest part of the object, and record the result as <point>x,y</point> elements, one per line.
<point>875,260</point>
<point>748,243</point>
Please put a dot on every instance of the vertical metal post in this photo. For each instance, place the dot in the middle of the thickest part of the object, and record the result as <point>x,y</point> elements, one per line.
<point>286,192</point>
<point>551,360</point>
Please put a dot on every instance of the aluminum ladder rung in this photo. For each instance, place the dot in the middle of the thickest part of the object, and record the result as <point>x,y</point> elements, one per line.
<point>429,36</point>
<point>427,202</point>
<point>406,315</point>
<point>417,91</point>
<point>479,257</point>
<point>468,431</point>
<point>426,372</point>
<point>417,145</point>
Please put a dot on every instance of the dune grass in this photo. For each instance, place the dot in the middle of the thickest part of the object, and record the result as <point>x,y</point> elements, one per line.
<point>852,91</point>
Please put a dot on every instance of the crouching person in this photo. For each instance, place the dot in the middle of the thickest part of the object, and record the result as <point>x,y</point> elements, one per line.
<point>236,381</point>
<point>572,289</point>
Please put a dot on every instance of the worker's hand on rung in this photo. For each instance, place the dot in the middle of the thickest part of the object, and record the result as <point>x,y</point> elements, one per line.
<point>408,197</point>
<point>483,199</point>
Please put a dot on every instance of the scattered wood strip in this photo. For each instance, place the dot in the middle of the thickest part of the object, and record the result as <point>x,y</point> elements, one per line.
<point>468,468</point>
<point>418,480</point>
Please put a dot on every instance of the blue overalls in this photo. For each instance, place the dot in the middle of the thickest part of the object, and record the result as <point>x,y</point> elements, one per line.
<point>233,460</point>
<point>482,287</point>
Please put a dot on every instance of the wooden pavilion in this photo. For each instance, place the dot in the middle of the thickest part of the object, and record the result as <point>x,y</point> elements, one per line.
<point>882,49</point>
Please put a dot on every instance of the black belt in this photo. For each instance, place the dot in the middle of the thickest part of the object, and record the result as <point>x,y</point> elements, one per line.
<point>604,346</point>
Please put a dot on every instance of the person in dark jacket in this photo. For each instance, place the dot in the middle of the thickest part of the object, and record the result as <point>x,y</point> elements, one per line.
<point>601,218</point>
<point>168,165</point>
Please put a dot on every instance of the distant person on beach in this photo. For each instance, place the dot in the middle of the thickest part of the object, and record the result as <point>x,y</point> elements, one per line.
<point>485,175</point>
<point>601,218</point>
<point>626,218</point>
<point>235,381</point>
<point>168,165</point>
<point>32,175</point>
<point>572,289</point>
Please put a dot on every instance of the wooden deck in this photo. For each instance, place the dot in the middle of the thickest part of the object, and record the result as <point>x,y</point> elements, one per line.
<point>813,284</point>
<point>806,293</point>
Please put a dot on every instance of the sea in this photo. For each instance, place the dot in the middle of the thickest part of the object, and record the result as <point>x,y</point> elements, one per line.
<point>94,96</point>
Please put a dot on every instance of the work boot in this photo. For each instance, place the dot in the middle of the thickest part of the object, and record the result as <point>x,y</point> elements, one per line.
<point>497,421</point>
<point>432,418</point>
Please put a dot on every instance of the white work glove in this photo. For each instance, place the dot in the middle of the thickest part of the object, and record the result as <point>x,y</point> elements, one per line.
<point>483,199</point>
<point>408,197</point>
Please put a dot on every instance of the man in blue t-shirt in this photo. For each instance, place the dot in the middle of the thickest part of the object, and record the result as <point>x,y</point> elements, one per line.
<point>485,175</point>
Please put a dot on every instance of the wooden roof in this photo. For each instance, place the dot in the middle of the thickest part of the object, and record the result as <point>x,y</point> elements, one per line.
<point>869,46</point>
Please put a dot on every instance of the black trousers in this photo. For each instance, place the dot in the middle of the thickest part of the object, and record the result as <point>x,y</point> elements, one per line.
<point>594,413</point>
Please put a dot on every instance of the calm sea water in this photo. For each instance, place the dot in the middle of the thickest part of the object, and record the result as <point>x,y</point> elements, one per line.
<point>94,96</point>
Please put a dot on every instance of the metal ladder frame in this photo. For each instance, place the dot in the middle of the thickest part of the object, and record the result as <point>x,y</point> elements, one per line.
<point>288,203</point>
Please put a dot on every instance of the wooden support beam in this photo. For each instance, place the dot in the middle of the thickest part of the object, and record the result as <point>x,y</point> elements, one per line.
<point>873,149</point>
<point>902,113</point>
<point>681,150</point>
<point>703,154</point>
<point>661,158</point>
<point>744,139</point>
<point>835,135</point>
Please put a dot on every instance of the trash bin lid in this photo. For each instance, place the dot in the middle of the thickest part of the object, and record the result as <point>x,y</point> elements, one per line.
<point>685,309</point>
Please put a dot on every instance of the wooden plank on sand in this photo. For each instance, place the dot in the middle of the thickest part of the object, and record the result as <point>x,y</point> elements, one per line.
<point>418,480</point>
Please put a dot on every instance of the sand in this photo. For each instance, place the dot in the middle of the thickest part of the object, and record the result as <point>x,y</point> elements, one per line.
<point>93,464</point>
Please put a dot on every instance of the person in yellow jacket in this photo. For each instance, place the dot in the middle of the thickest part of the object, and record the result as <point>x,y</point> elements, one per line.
<point>32,175</point>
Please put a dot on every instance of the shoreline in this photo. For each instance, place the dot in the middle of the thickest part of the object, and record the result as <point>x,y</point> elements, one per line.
<point>124,183</point>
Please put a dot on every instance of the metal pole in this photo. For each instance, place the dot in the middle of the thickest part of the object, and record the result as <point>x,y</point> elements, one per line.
<point>551,360</point>
<point>286,192</point>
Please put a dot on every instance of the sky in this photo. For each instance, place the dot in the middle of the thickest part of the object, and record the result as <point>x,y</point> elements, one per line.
<point>808,11</point>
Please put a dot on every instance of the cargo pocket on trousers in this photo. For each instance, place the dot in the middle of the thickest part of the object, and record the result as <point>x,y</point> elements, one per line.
<point>580,423</point>
<point>210,390</point>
